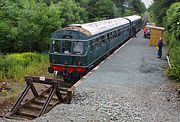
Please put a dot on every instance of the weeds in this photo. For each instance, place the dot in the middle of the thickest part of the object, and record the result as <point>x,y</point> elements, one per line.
<point>16,66</point>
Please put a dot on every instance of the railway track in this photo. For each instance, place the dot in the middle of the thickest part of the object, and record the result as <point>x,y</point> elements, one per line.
<point>56,92</point>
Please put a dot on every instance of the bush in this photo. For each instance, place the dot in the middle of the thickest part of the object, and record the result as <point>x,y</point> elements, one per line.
<point>173,28</point>
<point>174,53</point>
<point>16,66</point>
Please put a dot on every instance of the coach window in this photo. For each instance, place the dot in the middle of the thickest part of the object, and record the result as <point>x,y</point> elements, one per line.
<point>104,40</point>
<point>128,28</point>
<point>119,32</point>
<point>78,47</point>
<point>97,44</point>
<point>107,35</point>
<point>116,33</point>
<point>111,36</point>
<point>55,46</point>
<point>93,43</point>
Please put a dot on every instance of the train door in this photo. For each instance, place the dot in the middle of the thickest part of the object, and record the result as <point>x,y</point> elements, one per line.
<point>92,50</point>
<point>104,45</point>
<point>108,42</point>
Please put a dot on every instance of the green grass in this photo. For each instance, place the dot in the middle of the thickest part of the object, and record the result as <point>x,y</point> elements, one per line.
<point>15,66</point>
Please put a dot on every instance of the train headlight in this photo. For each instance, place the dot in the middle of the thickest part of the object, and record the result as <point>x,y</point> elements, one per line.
<point>50,70</point>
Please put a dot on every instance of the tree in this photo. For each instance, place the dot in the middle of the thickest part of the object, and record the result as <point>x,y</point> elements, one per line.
<point>71,12</point>
<point>37,22</point>
<point>158,10</point>
<point>104,9</point>
<point>8,25</point>
<point>26,25</point>
<point>173,20</point>
<point>137,6</point>
<point>173,28</point>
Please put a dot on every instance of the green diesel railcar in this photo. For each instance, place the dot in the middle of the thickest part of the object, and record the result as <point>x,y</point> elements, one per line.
<point>78,47</point>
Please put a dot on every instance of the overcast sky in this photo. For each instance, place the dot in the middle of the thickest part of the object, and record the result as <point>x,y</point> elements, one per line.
<point>147,2</point>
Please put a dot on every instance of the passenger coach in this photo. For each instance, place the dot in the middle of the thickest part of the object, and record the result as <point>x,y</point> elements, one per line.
<point>77,47</point>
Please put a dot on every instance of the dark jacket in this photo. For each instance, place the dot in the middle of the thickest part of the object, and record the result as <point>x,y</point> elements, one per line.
<point>160,44</point>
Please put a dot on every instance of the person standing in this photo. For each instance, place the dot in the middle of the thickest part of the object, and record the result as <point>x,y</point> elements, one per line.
<point>145,29</point>
<point>160,45</point>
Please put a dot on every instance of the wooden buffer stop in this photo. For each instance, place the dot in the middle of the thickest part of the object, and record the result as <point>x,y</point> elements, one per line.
<point>57,91</point>
<point>155,34</point>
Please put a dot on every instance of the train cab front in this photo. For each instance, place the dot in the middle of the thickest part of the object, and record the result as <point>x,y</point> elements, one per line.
<point>68,58</point>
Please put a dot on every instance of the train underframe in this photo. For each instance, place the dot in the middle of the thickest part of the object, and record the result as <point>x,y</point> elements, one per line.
<point>69,74</point>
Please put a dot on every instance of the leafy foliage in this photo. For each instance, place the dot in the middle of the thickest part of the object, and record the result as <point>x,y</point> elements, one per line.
<point>71,12</point>
<point>26,25</point>
<point>173,28</point>
<point>158,10</point>
<point>106,9</point>
<point>173,20</point>
<point>29,25</point>
<point>103,9</point>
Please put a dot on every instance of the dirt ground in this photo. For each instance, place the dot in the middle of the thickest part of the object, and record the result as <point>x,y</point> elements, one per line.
<point>9,97</point>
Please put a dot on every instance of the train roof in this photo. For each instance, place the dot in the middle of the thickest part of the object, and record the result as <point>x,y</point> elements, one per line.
<point>94,28</point>
<point>133,18</point>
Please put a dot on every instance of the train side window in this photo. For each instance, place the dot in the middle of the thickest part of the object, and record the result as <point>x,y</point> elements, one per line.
<point>120,32</point>
<point>103,42</point>
<point>128,28</point>
<point>108,36</point>
<point>78,47</point>
<point>94,42</point>
<point>116,33</point>
<point>111,36</point>
<point>124,29</point>
<point>105,37</point>
<point>102,37</point>
<point>97,45</point>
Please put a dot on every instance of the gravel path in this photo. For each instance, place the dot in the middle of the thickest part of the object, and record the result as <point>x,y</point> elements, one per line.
<point>129,87</point>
